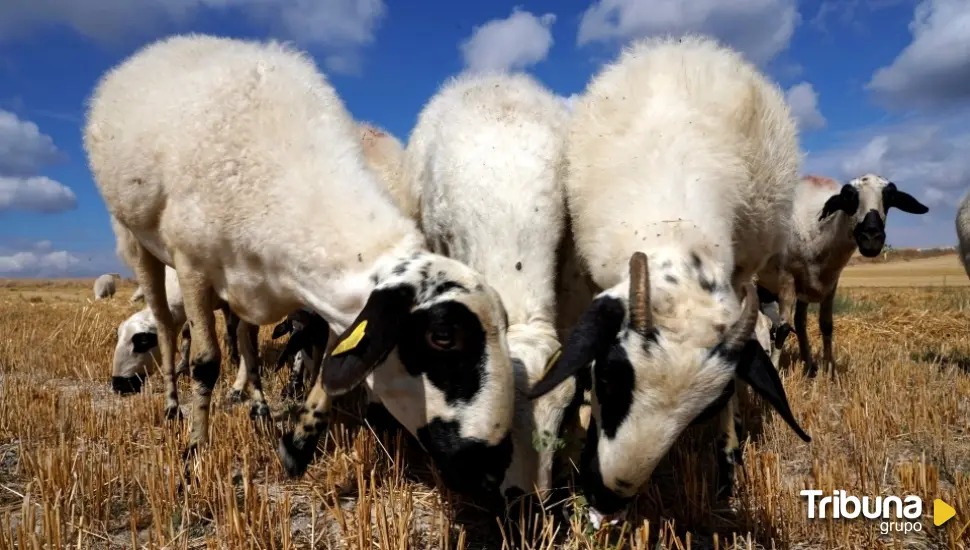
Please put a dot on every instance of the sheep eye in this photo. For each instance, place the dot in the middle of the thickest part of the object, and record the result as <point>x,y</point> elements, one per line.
<point>441,338</point>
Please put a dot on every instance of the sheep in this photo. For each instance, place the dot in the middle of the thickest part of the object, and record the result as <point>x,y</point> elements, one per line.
<point>485,160</point>
<point>963,232</point>
<point>682,164</point>
<point>385,156</point>
<point>829,222</point>
<point>278,211</point>
<point>104,286</point>
<point>136,351</point>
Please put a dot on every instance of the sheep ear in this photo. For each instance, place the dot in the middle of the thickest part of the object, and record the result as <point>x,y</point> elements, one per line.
<point>144,341</point>
<point>283,328</point>
<point>755,368</point>
<point>593,335</point>
<point>368,340</point>
<point>847,201</point>
<point>894,198</point>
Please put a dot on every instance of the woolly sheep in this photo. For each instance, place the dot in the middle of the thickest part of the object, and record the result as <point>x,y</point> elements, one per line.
<point>136,351</point>
<point>384,154</point>
<point>485,159</point>
<point>682,164</point>
<point>963,232</point>
<point>829,222</point>
<point>104,286</point>
<point>278,211</point>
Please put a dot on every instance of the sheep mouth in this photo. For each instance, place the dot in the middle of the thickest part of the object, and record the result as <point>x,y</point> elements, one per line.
<point>126,385</point>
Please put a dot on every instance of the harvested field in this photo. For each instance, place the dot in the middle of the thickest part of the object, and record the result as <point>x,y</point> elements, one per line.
<point>83,468</point>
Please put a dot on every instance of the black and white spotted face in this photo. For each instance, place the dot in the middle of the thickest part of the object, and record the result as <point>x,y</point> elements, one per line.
<point>664,343</point>
<point>867,200</point>
<point>437,331</point>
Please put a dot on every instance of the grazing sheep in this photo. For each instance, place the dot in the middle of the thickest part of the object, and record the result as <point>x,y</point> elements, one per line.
<point>486,161</point>
<point>104,286</point>
<point>137,352</point>
<point>384,155</point>
<point>963,232</point>
<point>829,222</point>
<point>682,163</point>
<point>278,211</point>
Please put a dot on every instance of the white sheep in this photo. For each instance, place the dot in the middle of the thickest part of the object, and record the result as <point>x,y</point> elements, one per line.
<point>105,286</point>
<point>136,350</point>
<point>829,222</point>
<point>963,232</point>
<point>486,161</point>
<point>237,163</point>
<point>384,154</point>
<point>682,164</point>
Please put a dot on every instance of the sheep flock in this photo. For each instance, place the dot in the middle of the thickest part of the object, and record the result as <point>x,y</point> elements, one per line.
<point>543,300</point>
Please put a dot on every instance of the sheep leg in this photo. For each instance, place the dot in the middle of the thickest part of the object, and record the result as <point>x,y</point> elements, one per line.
<point>151,276</point>
<point>825,326</point>
<point>206,355</point>
<point>237,394</point>
<point>801,330</point>
<point>183,366</point>
<point>729,450</point>
<point>248,335</point>
<point>786,299</point>
<point>294,385</point>
<point>297,447</point>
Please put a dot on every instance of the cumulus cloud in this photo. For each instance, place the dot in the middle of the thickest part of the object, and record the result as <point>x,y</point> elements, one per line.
<point>928,158</point>
<point>804,105</point>
<point>341,27</point>
<point>759,28</point>
<point>23,148</point>
<point>516,42</point>
<point>40,259</point>
<point>35,194</point>
<point>934,69</point>
<point>23,151</point>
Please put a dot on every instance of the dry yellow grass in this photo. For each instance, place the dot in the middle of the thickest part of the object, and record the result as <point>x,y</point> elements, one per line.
<point>83,468</point>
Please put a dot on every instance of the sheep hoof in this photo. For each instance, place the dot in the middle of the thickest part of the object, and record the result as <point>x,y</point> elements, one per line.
<point>259,411</point>
<point>295,455</point>
<point>811,368</point>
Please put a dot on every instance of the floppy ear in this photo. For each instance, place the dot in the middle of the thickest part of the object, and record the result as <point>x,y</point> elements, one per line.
<point>368,340</point>
<point>847,201</point>
<point>283,328</point>
<point>894,198</point>
<point>591,338</point>
<point>755,368</point>
<point>144,341</point>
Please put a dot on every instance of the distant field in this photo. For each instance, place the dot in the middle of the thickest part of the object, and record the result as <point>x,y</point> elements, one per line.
<point>943,270</point>
<point>83,468</point>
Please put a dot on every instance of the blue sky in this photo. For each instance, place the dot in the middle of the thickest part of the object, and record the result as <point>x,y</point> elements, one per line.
<point>877,85</point>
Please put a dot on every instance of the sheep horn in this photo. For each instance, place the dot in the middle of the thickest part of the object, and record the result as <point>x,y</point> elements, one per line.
<point>740,332</point>
<point>640,316</point>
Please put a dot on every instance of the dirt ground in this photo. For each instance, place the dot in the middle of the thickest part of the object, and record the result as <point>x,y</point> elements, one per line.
<point>83,468</point>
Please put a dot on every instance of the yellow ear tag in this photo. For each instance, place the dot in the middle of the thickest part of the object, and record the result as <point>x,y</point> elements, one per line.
<point>552,361</point>
<point>351,341</point>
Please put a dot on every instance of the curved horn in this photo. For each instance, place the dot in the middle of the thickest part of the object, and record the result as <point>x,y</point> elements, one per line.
<point>740,331</point>
<point>640,316</point>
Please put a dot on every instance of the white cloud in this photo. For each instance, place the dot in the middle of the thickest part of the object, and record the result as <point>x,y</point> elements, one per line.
<point>759,28</point>
<point>341,27</point>
<point>23,148</point>
<point>804,105</point>
<point>516,42</point>
<point>934,69</point>
<point>40,259</point>
<point>36,194</point>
